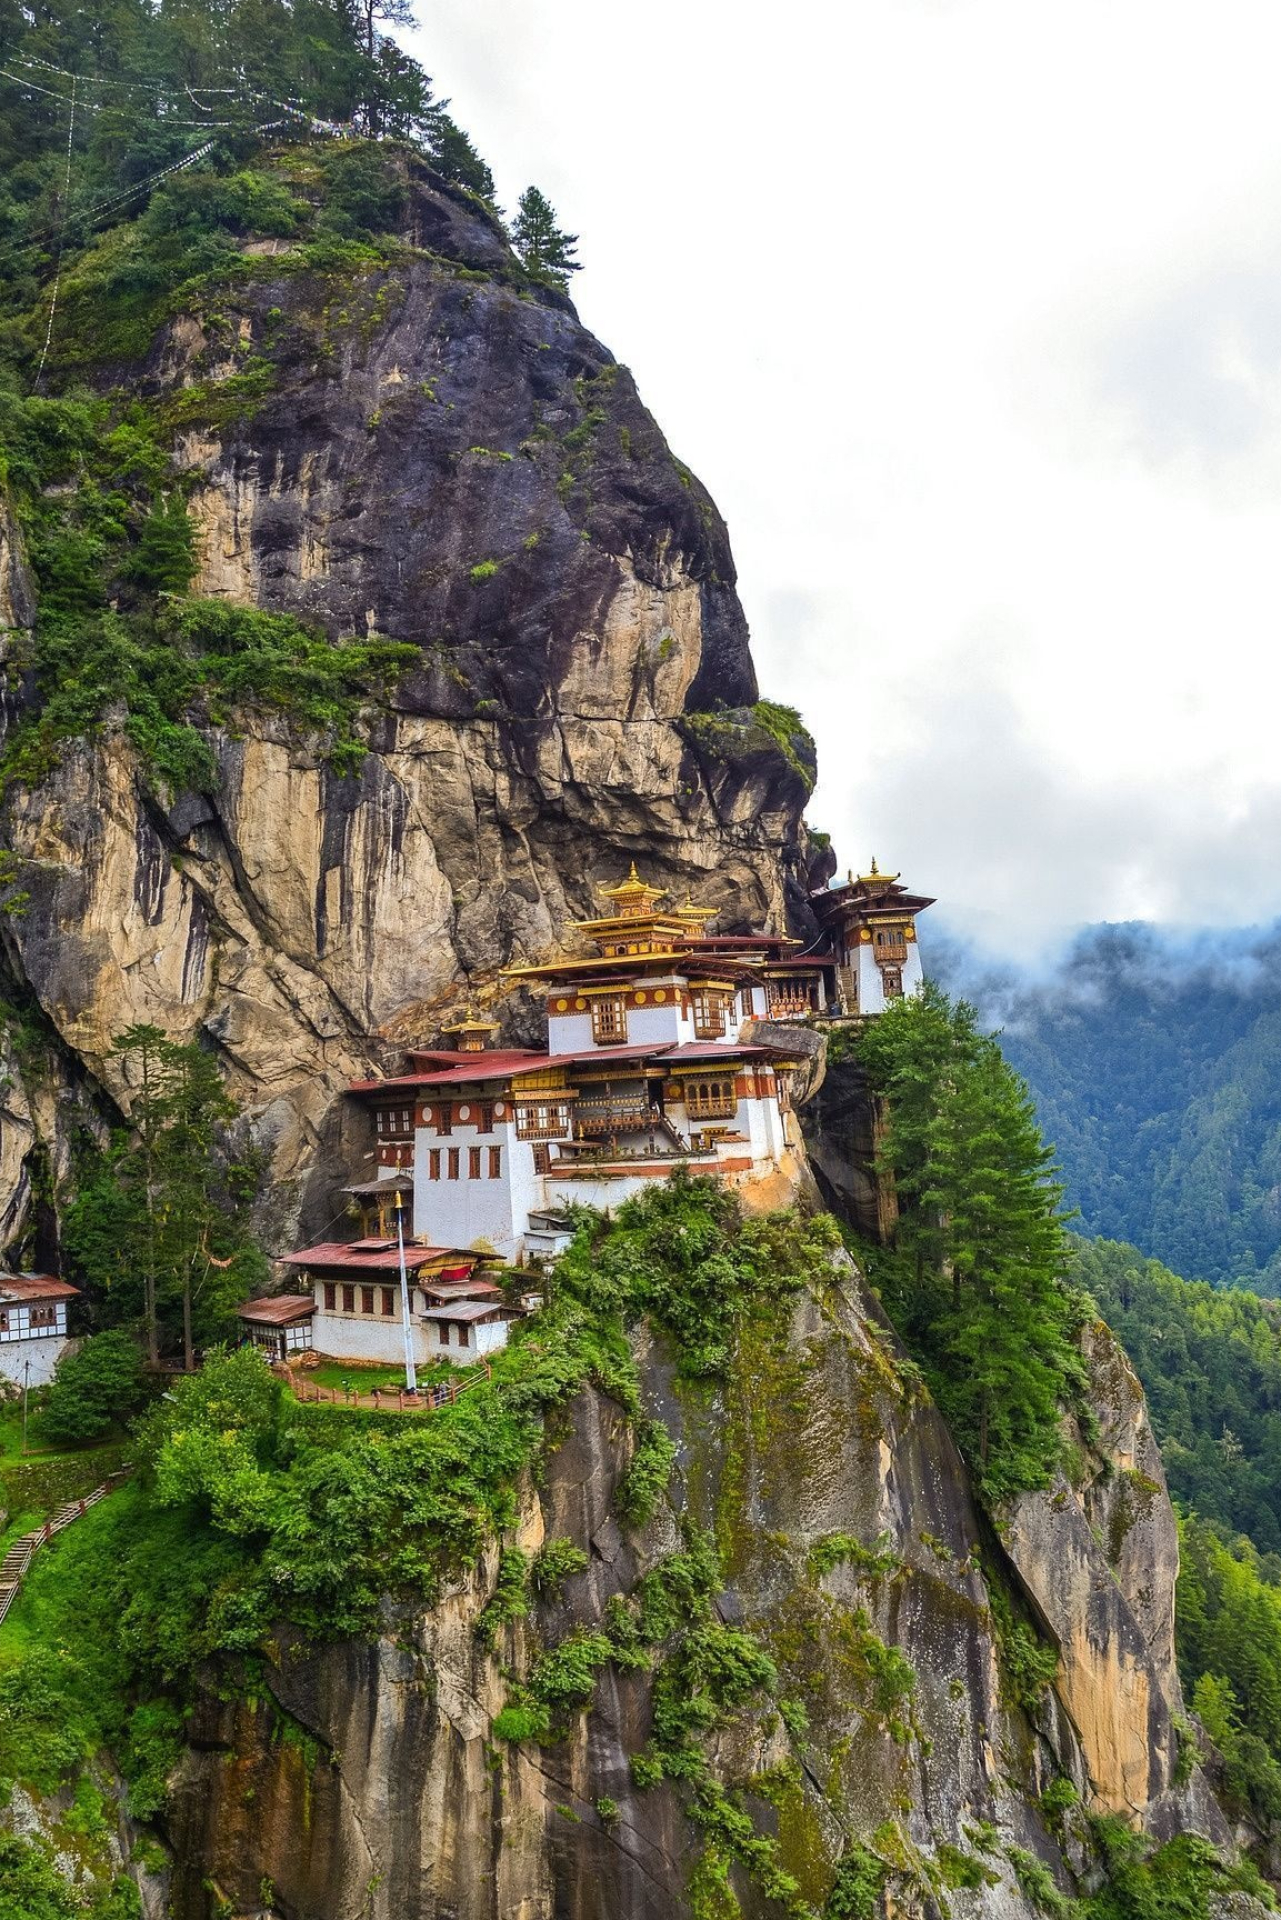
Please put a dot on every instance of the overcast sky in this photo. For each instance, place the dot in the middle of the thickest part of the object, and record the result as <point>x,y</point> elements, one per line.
<point>968,312</point>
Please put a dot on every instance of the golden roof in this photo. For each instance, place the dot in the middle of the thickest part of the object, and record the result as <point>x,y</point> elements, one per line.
<point>876,878</point>
<point>633,895</point>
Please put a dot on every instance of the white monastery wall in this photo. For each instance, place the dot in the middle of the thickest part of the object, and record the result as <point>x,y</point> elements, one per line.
<point>40,1352</point>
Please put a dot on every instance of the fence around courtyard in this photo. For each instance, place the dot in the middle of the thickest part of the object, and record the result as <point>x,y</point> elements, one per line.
<point>381,1399</point>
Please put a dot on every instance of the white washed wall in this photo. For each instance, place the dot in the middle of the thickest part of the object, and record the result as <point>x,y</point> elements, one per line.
<point>42,1351</point>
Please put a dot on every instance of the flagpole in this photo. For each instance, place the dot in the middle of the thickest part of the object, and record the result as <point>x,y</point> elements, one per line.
<point>411,1376</point>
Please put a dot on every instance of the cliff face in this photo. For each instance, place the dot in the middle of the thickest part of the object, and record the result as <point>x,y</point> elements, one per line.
<point>445,457</point>
<point>399,1800</point>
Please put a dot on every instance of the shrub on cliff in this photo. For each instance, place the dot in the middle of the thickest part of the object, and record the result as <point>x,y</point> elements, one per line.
<point>975,1278</point>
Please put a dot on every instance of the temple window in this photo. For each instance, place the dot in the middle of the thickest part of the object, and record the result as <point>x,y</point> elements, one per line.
<point>366,1299</point>
<point>609,1019</point>
<point>44,1316</point>
<point>389,1303</point>
<point>4,1320</point>
<point>444,1332</point>
<point>473,1163</point>
<point>349,1299</point>
<point>709,1013</point>
<point>543,1120</point>
<point>495,1163</point>
<point>453,1163</point>
<point>331,1297</point>
<point>711,1099</point>
<point>485,1117</point>
<point>463,1339</point>
<point>892,980</point>
<point>433,1163</point>
<point>445,1118</point>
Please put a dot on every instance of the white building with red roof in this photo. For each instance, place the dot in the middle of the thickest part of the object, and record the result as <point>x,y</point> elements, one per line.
<point>650,1064</point>
<point>33,1326</point>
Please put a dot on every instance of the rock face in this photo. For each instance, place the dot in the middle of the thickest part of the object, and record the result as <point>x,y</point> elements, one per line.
<point>452,460</point>
<point>1099,1556</point>
<point>369,1784</point>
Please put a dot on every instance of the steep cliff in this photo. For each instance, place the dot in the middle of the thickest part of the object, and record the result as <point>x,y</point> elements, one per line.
<point>899,1732</point>
<point>412,440</point>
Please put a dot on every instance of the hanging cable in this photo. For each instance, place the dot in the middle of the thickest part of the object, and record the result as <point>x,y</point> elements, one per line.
<point>62,228</point>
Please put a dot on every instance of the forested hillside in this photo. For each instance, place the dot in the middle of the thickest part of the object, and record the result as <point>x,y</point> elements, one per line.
<point>1156,1072</point>
<point>1210,1363</point>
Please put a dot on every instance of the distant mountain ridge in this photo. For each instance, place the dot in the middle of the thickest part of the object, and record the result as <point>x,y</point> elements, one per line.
<point>1155,1066</point>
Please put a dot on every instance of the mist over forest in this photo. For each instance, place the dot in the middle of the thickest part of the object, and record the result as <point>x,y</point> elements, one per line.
<point>1154,1060</point>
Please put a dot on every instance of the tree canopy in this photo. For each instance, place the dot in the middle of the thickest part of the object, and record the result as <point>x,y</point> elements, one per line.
<point>975,1277</point>
<point>546,250</point>
<point>160,1225</point>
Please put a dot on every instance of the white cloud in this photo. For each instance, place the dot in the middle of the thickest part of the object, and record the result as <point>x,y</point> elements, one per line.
<point>969,315</point>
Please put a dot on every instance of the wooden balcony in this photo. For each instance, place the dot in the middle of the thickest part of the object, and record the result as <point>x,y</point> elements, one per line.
<point>619,1113</point>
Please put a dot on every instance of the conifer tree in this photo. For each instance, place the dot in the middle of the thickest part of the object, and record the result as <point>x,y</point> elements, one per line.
<point>976,1276</point>
<point>166,1206</point>
<point>546,250</point>
<point>454,155</point>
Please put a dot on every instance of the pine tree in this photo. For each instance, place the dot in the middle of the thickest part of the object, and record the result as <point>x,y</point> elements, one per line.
<point>455,157</point>
<point>546,251</point>
<point>976,1275</point>
<point>167,1204</point>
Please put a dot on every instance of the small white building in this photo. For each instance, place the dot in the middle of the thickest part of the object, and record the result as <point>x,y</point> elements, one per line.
<point>354,1309</point>
<point>33,1326</point>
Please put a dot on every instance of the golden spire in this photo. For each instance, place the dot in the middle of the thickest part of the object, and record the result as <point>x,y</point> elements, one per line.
<point>633,896</point>
<point>472,1032</point>
<point>876,878</point>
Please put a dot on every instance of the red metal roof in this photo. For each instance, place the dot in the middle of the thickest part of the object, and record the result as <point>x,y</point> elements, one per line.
<point>17,1287</point>
<point>278,1309</point>
<point>343,1257</point>
<point>502,1066</point>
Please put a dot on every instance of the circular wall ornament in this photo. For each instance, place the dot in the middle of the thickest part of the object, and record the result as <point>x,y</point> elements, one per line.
<point>580,1006</point>
<point>427,1116</point>
<point>640,999</point>
<point>500,1110</point>
<point>464,1113</point>
<point>562,1006</point>
<point>660,994</point>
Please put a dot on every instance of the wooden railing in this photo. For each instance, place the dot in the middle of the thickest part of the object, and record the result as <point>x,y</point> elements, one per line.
<point>377,1400</point>
<point>621,1112</point>
<point>13,1568</point>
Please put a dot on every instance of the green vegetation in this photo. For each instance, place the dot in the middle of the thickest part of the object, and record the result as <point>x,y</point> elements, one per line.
<point>88,470</point>
<point>1210,1363</point>
<point>1229,1645</point>
<point>735,732</point>
<point>684,1255</point>
<point>160,1225</point>
<point>545,249</point>
<point>552,1566</point>
<point>1154,1068</point>
<point>974,1279</point>
<point>845,1550</point>
<point>93,1388</point>
<point>35,1889</point>
<point>646,1480</point>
